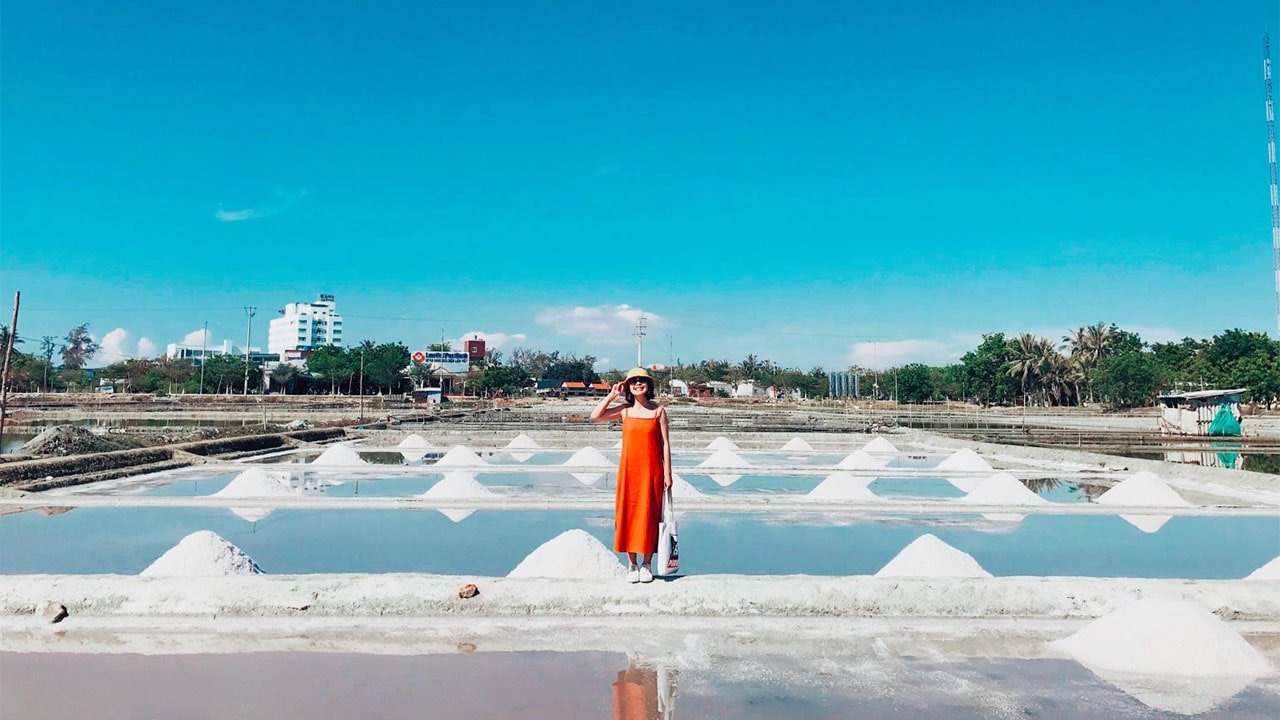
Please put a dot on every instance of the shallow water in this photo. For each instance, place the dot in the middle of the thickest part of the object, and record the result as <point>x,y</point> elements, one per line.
<point>492,542</point>
<point>544,685</point>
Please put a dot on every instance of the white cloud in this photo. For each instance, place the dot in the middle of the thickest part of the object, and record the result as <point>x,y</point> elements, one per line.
<point>112,346</point>
<point>602,324</point>
<point>196,338</point>
<point>147,348</point>
<point>603,365</point>
<point>283,200</point>
<point>894,353</point>
<point>492,340</point>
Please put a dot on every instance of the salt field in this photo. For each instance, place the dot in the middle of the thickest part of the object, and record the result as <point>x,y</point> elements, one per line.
<point>865,532</point>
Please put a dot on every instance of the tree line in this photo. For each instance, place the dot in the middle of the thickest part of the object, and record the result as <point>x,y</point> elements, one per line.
<point>1099,363</point>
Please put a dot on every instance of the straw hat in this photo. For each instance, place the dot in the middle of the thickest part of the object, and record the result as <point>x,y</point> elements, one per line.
<point>638,372</point>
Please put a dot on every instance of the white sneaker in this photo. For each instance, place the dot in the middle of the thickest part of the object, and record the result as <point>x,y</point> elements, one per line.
<point>645,574</point>
<point>633,575</point>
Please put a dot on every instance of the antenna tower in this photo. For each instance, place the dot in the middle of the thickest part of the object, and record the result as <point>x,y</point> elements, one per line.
<point>1271,157</point>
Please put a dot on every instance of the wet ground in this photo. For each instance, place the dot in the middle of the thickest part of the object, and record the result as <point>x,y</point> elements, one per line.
<point>473,683</point>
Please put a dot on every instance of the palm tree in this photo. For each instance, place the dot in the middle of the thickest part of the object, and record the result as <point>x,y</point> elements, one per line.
<point>1089,344</point>
<point>1024,361</point>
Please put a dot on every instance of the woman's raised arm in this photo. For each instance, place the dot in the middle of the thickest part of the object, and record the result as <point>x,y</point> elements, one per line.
<point>602,412</point>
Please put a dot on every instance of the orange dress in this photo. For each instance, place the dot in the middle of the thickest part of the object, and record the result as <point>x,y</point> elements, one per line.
<point>638,506</point>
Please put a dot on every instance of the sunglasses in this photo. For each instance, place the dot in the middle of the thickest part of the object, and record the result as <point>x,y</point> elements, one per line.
<point>642,381</point>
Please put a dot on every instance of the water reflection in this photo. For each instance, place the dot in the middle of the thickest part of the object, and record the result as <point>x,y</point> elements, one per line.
<point>644,693</point>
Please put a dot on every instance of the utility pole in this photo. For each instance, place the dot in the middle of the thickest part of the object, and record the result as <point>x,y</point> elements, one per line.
<point>362,384</point>
<point>640,326</point>
<point>4,372</point>
<point>249,312</point>
<point>1271,158</point>
<point>204,353</point>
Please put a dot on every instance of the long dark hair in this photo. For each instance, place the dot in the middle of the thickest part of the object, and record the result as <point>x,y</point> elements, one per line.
<point>631,399</point>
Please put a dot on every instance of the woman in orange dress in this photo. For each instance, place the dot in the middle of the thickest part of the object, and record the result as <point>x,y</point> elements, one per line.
<point>644,472</point>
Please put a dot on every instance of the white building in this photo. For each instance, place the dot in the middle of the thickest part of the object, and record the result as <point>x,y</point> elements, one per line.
<point>304,326</point>
<point>179,351</point>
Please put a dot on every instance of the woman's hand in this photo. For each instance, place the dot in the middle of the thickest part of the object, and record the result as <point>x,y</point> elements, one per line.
<point>619,389</point>
<point>666,483</point>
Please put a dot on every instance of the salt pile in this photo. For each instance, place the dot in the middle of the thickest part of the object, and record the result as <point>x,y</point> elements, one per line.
<point>796,444</point>
<point>202,553</point>
<point>879,445</point>
<point>860,460</point>
<point>1002,489</point>
<point>457,484</point>
<point>460,456</point>
<point>587,457</point>
<point>843,486</point>
<point>927,556</point>
<point>725,459</point>
<point>339,456</point>
<point>522,442</point>
<point>965,460</point>
<point>257,483</point>
<point>414,447</point>
<point>1143,489</point>
<point>725,480</point>
<point>1147,523</point>
<point>722,443</point>
<point>680,488</point>
<point>1171,655</point>
<point>415,442</point>
<point>571,554</point>
<point>1270,571</point>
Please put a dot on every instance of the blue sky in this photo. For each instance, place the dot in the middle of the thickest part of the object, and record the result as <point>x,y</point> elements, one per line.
<point>796,181</point>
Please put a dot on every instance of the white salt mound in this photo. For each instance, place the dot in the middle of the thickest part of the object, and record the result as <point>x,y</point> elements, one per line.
<point>523,442</point>
<point>927,556</point>
<point>339,456</point>
<point>457,484</point>
<point>415,442</point>
<point>200,554</point>
<point>722,443</point>
<point>1143,489</point>
<point>843,486</point>
<point>571,554</point>
<point>965,460</point>
<point>1270,571</point>
<point>796,444</point>
<point>860,460</point>
<point>460,456</point>
<point>1164,637</point>
<point>255,483</point>
<point>725,480</point>
<point>1002,489</point>
<point>725,459</point>
<point>587,457</point>
<point>680,488</point>
<point>879,445</point>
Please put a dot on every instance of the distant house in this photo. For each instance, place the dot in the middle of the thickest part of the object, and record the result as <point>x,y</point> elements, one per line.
<point>573,388</point>
<point>599,389</point>
<point>1203,412</point>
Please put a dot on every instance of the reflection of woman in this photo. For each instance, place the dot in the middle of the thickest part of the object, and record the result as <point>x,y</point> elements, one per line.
<point>635,694</point>
<point>644,471</point>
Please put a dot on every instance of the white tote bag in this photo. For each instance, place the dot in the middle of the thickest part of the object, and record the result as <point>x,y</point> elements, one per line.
<point>668,539</point>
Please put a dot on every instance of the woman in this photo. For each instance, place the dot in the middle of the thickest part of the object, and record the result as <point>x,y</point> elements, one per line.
<point>644,472</point>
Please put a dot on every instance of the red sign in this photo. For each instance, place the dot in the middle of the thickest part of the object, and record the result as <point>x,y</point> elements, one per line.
<point>419,356</point>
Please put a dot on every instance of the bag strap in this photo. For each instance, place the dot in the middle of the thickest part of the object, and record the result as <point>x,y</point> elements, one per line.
<point>668,512</point>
